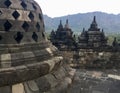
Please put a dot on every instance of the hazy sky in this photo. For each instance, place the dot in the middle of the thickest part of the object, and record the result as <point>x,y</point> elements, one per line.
<point>55,8</point>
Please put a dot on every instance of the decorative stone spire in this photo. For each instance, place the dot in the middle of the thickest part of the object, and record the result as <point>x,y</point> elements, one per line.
<point>60,26</point>
<point>93,26</point>
<point>67,24</point>
<point>102,30</point>
<point>83,33</point>
<point>94,20</point>
<point>83,29</point>
<point>103,35</point>
<point>52,32</point>
<point>60,22</point>
<point>115,43</point>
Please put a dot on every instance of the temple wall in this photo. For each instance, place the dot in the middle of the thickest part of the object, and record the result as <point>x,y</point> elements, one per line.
<point>90,58</point>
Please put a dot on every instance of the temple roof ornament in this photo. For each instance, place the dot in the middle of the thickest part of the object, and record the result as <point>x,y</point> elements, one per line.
<point>60,26</point>
<point>67,25</point>
<point>93,37</point>
<point>94,26</point>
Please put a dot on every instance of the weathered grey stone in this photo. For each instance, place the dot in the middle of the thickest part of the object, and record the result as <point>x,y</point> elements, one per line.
<point>6,89</point>
<point>22,73</point>
<point>62,86</point>
<point>18,88</point>
<point>5,60</point>
<point>43,84</point>
<point>60,75</point>
<point>31,87</point>
<point>29,63</point>
<point>46,83</point>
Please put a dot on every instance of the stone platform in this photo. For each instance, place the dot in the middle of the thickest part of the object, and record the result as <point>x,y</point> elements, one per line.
<point>86,81</point>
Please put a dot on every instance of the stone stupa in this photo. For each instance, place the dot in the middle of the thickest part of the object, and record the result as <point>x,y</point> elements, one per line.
<point>29,63</point>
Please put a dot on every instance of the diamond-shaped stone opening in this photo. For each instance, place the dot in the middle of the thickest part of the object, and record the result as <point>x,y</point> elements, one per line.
<point>23,4</point>
<point>0,12</point>
<point>34,6</point>
<point>7,25</point>
<point>31,16</point>
<point>16,14</point>
<point>35,37</point>
<point>25,26</point>
<point>43,34</point>
<point>18,37</point>
<point>0,37</point>
<point>38,26</point>
<point>40,16</point>
<point>7,3</point>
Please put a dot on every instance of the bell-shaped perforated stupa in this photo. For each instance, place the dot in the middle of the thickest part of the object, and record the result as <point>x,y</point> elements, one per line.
<point>21,22</point>
<point>25,53</point>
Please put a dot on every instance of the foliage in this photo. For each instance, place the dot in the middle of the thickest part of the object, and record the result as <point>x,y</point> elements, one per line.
<point>111,38</point>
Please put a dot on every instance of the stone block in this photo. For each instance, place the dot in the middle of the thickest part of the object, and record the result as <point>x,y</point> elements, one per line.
<point>6,89</point>
<point>31,87</point>
<point>43,84</point>
<point>18,88</point>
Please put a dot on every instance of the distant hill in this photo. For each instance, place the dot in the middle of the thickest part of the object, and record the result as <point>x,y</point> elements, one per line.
<point>109,22</point>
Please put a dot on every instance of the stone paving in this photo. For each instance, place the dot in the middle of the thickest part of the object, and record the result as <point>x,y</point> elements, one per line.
<point>94,82</point>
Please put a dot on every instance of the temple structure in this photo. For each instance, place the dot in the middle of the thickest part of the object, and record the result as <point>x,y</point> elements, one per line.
<point>63,37</point>
<point>93,37</point>
<point>29,63</point>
